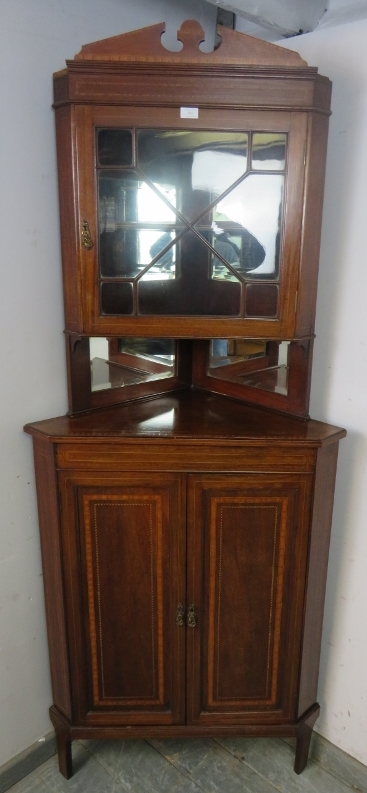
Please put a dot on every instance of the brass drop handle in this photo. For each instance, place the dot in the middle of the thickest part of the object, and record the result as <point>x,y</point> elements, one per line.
<point>180,615</point>
<point>86,236</point>
<point>191,616</point>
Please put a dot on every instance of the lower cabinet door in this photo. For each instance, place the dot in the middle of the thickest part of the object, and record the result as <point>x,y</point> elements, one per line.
<point>124,556</point>
<point>248,542</point>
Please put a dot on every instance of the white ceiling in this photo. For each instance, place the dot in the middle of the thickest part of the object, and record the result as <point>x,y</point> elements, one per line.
<point>276,19</point>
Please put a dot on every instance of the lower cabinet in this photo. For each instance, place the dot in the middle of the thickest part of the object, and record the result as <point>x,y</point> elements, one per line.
<point>183,600</point>
<point>175,623</point>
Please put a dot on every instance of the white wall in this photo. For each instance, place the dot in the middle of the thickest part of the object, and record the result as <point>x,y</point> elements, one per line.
<point>339,382</point>
<point>36,38</point>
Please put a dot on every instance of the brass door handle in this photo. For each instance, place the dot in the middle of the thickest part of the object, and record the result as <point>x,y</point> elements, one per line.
<point>180,615</point>
<point>191,616</point>
<point>86,236</point>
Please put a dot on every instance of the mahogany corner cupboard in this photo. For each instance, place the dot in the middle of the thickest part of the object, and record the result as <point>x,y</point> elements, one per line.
<point>185,501</point>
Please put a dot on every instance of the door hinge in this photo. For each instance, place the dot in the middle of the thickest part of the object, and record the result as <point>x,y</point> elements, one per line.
<point>295,301</point>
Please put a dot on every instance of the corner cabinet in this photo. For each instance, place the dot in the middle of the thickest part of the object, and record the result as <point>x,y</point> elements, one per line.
<point>185,569</point>
<point>185,502</point>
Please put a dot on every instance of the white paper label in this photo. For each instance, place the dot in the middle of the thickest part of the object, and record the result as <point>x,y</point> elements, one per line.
<point>189,112</point>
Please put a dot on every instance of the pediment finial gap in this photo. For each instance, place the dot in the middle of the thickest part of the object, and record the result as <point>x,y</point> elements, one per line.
<point>191,34</point>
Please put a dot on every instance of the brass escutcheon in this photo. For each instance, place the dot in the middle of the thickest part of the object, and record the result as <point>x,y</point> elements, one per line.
<point>191,616</point>
<point>86,236</point>
<point>180,614</point>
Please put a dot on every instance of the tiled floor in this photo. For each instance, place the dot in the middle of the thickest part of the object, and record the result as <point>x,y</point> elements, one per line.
<point>230,765</point>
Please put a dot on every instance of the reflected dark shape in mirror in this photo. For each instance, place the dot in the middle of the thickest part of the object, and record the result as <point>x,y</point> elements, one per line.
<point>115,147</point>
<point>250,362</point>
<point>251,214</point>
<point>236,245</point>
<point>193,290</point>
<point>268,151</point>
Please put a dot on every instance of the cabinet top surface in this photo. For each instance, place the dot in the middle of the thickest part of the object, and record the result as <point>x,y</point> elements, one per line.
<point>187,415</point>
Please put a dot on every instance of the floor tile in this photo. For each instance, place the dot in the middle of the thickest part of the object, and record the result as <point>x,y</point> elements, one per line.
<point>138,767</point>
<point>228,765</point>
<point>273,760</point>
<point>214,769</point>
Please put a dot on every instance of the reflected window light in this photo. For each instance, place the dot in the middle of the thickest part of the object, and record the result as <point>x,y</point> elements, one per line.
<point>154,212</point>
<point>164,420</point>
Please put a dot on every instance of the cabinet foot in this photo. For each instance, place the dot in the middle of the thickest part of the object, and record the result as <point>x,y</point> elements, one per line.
<point>64,755</point>
<point>63,743</point>
<point>304,735</point>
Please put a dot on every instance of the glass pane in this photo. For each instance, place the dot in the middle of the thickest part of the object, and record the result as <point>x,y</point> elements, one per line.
<point>251,215</point>
<point>125,201</point>
<point>261,300</point>
<point>115,147</point>
<point>189,287</point>
<point>250,362</point>
<point>130,361</point>
<point>126,252</point>
<point>117,298</point>
<point>268,151</point>
<point>199,165</point>
<point>235,244</point>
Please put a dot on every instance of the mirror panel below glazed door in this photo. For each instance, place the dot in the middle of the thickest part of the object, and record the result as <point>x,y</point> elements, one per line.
<point>118,363</point>
<point>253,363</point>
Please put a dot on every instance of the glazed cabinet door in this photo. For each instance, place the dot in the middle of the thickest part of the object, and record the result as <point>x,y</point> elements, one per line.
<point>195,222</point>
<point>248,539</point>
<point>124,554</point>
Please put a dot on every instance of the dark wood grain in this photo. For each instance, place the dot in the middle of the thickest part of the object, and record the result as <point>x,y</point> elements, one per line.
<point>317,570</point>
<point>188,415</point>
<point>247,578</point>
<point>129,532</point>
<point>146,45</point>
<point>48,515</point>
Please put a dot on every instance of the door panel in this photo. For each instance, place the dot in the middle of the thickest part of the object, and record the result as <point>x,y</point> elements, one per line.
<point>246,533</point>
<point>130,539</point>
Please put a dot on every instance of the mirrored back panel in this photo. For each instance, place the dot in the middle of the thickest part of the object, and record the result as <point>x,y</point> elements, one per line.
<point>257,364</point>
<point>190,222</point>
<point>267,373</point>
<point>123,362</point>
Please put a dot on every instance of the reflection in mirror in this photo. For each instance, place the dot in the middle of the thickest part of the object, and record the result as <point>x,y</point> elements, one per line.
<point>193,290</point>
<point>250,362</point>
<point>195,162</point>
<point>182,232</point>
<point>251,214</point>
<point>268,151</point>
<point>118,363</point>
<point>124,201</point>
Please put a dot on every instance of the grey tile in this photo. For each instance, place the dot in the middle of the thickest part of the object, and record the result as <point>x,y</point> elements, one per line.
<point>186,754</point>
<point>273,759</point>
<point>214,769</point>
<point>228,765</point>
<point>139,768</point>
<point>88,775</point>
<point>30,784</point>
